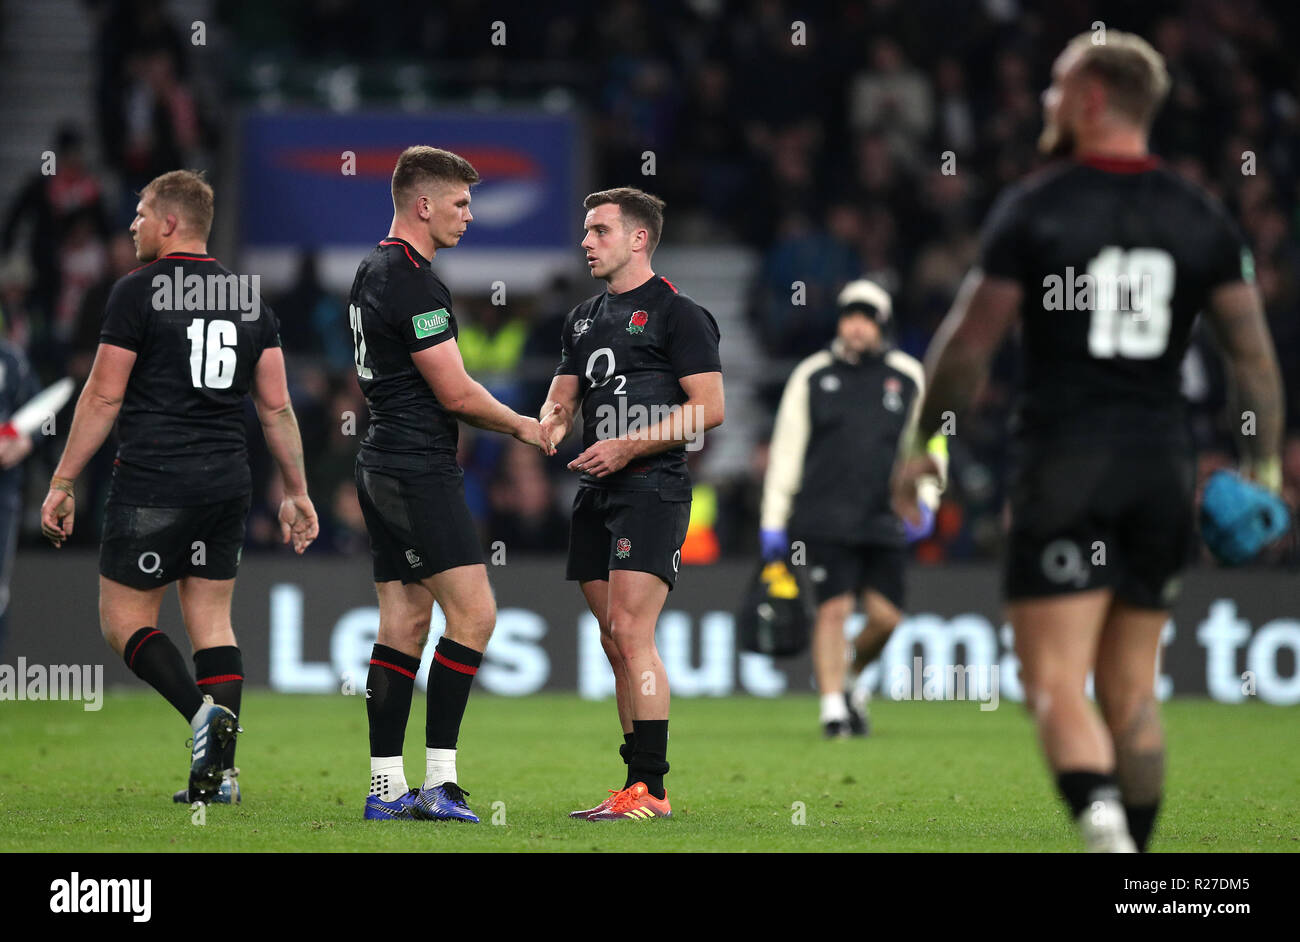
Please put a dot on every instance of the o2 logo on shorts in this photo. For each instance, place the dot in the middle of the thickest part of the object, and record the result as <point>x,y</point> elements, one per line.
<point>677,560</point>
<point>623,548</point>
<point>1062,562</point>
<point>150,564</point>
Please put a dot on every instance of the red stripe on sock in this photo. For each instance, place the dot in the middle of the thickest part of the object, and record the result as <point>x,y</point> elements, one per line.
<point>136,652</point>
<point>394,667</point>
<point>220,679</point>
<point>454,665</point>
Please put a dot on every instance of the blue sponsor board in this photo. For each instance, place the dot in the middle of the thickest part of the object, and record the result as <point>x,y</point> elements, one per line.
<point>296,191</point>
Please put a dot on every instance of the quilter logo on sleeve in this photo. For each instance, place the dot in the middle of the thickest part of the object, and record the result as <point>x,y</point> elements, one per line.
<point>430,323</point>
<point>76,895</point>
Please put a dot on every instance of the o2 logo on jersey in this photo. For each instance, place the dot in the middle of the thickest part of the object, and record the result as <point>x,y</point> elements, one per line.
<point>636,323</point>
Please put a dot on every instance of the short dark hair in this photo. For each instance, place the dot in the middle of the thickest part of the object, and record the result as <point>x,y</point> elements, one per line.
<point>636,205</point>
<point>185,193</point>
<point>1132,71</point>
<point>423,164</point>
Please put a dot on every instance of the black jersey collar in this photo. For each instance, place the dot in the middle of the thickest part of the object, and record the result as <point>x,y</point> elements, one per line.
<point>411,251</point>
<point>644,286</point>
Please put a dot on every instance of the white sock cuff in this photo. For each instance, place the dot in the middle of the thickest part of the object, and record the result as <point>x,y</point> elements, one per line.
<point>439,766</point>
<point>387,777</point>
<point>834,708</point>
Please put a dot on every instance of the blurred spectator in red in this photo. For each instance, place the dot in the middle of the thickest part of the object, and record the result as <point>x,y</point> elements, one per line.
<point>50,203</point>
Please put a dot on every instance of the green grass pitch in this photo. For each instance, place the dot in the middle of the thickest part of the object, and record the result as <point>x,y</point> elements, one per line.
<point>933,777</point>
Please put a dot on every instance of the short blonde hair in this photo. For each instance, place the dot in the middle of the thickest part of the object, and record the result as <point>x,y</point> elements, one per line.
<point>185,193</point>
<point>1132,71</point>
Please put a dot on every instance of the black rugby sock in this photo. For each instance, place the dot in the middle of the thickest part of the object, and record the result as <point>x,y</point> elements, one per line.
<point>450,676</point>
<point>1081,789</point>
<point>625,752</point>
<point>388,698</point>
<point>219,672</point>
<point>649,762</point>
<point>153,658</point>
<point>1141,822</point>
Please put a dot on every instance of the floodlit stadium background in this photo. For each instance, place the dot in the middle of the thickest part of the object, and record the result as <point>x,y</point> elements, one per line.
<point>781,162</point>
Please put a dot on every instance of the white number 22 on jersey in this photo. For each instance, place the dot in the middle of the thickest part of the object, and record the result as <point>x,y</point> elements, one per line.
<point>222,338</point>
<point>1144,275</point>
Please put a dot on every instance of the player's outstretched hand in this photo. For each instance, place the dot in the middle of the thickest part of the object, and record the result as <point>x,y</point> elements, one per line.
<point>905,481</point>
<point>57,513</point>
<point>298,522</point>
<point>554,426</point>
<point>604,457</point>
<point>531,432</point>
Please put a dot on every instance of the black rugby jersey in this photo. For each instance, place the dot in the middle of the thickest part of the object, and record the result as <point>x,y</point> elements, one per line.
<point>197,331</point>
<point>1115,258</point>
<point>628,351</point>
<point>397,307</point>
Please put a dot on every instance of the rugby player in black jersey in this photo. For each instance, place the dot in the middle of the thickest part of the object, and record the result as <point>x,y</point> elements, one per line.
<point>641,359</point>
<point>183,341</point>
<point>1105,259</point>
<point>424,544</point>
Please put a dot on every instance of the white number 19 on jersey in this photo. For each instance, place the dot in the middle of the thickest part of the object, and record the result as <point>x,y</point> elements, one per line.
<point>1131,294</point>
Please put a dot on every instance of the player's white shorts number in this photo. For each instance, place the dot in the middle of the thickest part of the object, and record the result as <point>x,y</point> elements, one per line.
<point>1131,294</point>
<point>221,340</point>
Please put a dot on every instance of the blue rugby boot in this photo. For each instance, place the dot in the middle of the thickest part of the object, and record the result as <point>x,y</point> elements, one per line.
<point>227,794</point>
<point>214,728</point>
<point>445,802</point>
<point>398,810</point>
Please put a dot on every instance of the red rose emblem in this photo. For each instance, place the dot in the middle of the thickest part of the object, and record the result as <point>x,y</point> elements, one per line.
<point>637,324</point>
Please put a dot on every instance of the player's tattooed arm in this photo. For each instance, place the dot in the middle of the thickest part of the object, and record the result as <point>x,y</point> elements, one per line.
<point>956,366</point>
<point>1237,317</point>
<point>97,409</point>
<point>444,370</point>
<point>704,409</point>
<point>561,407</point>
<point>298,521</point>
<point>957,363</point>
